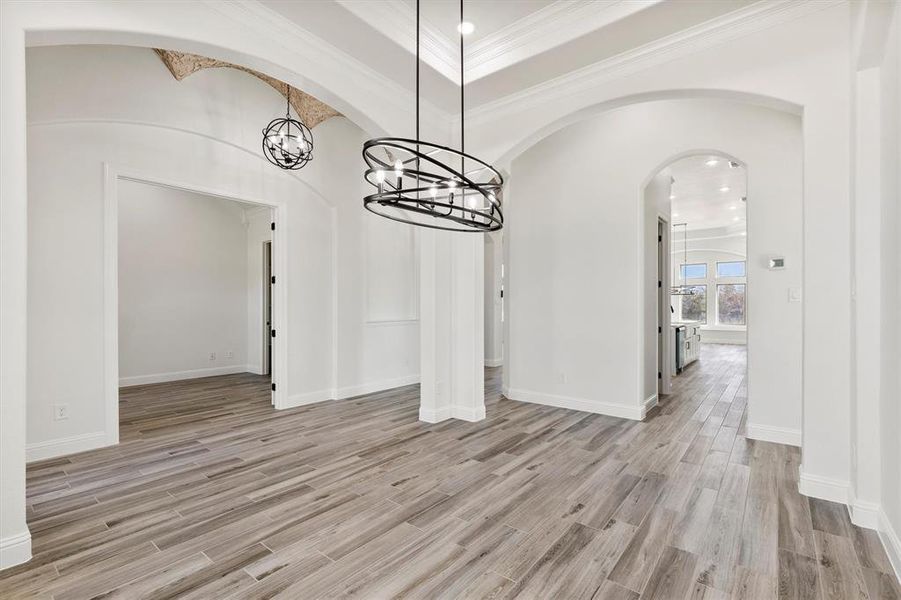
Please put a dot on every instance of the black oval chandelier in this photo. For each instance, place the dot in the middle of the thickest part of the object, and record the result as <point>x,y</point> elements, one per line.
<point>287,142</point>
<point>429,185</point>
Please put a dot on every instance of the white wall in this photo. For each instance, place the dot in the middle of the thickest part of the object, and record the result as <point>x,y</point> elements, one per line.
<point>182,285</point>
<point>570,338</point>
<point>121,106</point>
<point>494,258</point>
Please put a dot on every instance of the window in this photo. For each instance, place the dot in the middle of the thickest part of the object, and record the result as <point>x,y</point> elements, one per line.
<point>730,303</point>
<point>694,307</point>
<point>694,271</point>
<point>734,268</point>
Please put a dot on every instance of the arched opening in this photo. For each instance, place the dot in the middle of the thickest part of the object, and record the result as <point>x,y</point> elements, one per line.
<point>576,253</point>
<point>695,266</point>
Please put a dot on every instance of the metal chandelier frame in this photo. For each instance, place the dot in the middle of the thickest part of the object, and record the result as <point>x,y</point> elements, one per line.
<point>417,185</point>
<point>278,130</point>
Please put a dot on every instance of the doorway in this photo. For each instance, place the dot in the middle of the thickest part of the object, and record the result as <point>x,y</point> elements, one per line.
<point>272,296</point>
<point>701,262</point>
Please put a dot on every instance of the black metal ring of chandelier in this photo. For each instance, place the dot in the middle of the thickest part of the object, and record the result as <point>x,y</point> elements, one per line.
<point>416,184</point>
<point>440,197</point>
<point>286,149</point>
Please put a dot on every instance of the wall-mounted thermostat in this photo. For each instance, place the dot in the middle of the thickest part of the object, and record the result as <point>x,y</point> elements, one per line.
<point>777,262</point>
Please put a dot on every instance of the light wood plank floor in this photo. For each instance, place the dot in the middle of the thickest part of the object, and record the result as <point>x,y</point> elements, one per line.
<point>213,494</point>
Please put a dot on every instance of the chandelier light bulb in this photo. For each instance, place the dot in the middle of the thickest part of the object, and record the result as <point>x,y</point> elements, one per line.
<point>380,176</point>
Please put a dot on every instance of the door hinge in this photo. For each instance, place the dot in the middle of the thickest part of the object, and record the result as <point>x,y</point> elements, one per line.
<point>273,387</point>
<point>660,330</point>
<point>272,226</point>
<point>272,332</point>
<point>502,293</point>
<point>659,238</point>
<point>659,376</point>
<point>659,283</point>
<point>273,280</point>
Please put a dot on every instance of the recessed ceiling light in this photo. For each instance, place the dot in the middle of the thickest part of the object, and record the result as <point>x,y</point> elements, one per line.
<point>744,233</point>
<point>675,214</point>
<point>672,196</point>
<point>733,207</point>
<point>735,218</point>
<point>712,162</point>
<point>466,27</point>
<point>725,188</point>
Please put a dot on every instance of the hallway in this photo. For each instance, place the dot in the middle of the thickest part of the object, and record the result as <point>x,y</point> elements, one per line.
<point>214,494</point>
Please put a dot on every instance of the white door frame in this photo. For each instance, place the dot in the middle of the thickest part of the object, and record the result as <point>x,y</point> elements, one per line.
<point>664,317</point>
<point>112,174</point>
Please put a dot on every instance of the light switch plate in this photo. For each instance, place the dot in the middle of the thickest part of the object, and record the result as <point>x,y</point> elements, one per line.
<point>794,294</point>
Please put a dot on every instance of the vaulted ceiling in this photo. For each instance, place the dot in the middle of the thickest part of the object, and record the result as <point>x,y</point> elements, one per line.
<point>516,43</point>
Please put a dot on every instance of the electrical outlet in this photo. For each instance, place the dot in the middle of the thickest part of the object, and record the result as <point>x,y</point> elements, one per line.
<point>60,412</point>
<point>561,378</point>
<point>229,354</point>
<point>212,356</point>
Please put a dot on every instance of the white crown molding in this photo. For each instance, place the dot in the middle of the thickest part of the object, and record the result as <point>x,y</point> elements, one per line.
<point>558,23</point>
<point>544,29</point>
<point>751,19</point>
<point>296,39</point>
<point>395,20</point>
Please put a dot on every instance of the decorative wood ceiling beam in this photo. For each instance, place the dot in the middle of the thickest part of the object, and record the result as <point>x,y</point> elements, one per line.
<point>312,111</point>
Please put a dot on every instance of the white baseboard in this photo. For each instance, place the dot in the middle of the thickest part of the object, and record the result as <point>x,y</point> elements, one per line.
<point>295,400</point>
<point>467,413</point>
<point>180,375</point>
<point>464,413</point>
<point>434,415</point>
<point>777,435</point>
<point>863,512</point>
<point>635,412</point>
<point>15,549</point>
<point>494,362</point>
<point>374,386</point>
<point>824,488</point>
<point>66,445</point>
<point>648,404</point>
<point>306,398</point>
<point>891,542</point>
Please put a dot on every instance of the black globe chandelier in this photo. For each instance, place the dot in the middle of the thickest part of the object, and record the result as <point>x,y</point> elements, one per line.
<point>287,142</point>
<point>429,185</point>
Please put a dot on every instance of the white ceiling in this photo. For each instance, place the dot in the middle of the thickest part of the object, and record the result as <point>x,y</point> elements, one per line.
<point>698,196</point>
<point>516,43</point>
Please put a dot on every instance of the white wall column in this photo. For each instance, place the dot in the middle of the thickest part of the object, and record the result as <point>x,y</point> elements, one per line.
<point>452,326</point>
<point>15,540</point>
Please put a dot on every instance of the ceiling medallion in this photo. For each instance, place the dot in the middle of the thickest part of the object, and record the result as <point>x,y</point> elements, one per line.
<point>430,185</point>
<point>288,143</point>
